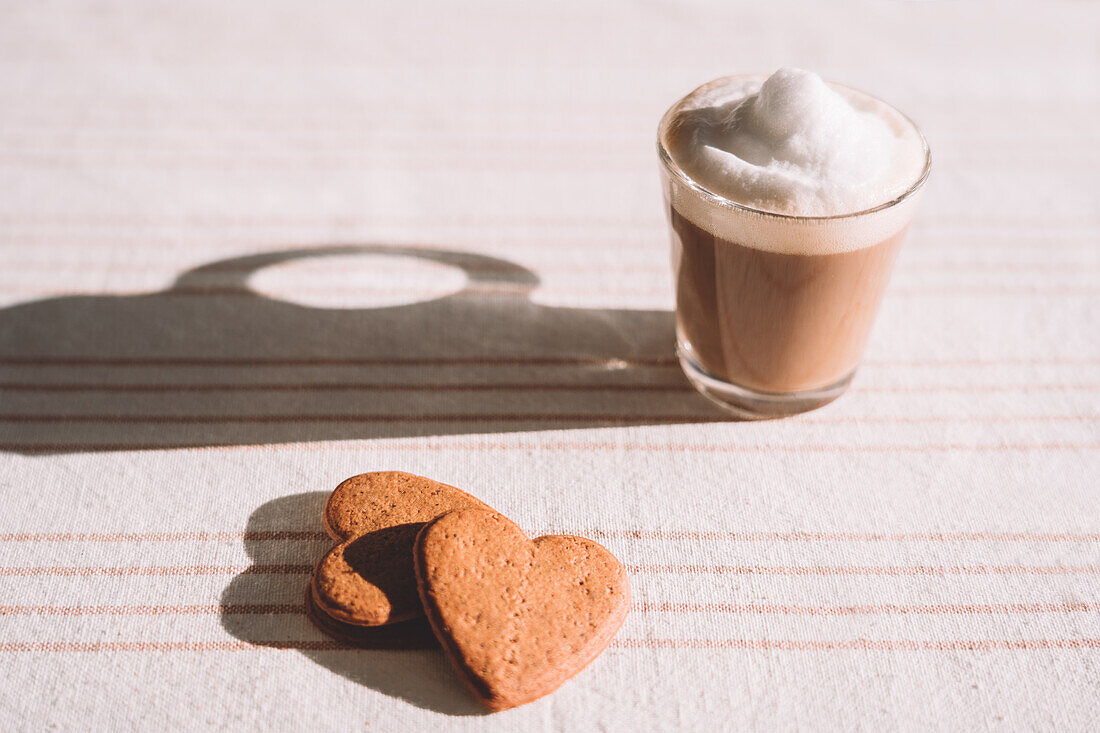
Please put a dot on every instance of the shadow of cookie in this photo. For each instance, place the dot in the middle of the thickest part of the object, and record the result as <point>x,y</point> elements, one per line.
<point>267,605</point>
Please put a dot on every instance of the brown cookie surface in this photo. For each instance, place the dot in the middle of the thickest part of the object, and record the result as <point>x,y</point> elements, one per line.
<point>369,579</point>
<point>517,617</point>
<point>412,634</point>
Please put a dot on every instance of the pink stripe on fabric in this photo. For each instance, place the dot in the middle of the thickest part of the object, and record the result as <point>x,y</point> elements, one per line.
<point>780,570</point>
<point>624,534</point>
<point>883,570</point>
<point>767,609</point>
<point>714,644</point>
<point>555,446</point>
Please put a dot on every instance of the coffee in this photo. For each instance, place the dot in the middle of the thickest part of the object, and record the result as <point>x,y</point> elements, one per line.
<point>775,322</point>
<point>788,200</point>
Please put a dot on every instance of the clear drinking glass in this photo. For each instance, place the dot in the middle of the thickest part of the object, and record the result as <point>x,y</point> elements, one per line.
<point>765,333</point>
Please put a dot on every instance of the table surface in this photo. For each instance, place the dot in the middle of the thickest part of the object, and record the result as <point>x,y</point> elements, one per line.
<point>252,248</point>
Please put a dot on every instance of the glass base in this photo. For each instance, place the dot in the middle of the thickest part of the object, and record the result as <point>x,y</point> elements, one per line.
<point>751,404</point>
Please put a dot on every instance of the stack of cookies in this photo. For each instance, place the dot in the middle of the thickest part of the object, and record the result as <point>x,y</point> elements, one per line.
<point>517,617</point>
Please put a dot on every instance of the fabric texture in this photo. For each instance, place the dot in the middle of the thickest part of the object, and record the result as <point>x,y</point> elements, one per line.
<point>251,248</point>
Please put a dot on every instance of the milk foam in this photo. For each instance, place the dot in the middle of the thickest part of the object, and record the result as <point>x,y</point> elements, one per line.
<point>793,145</point>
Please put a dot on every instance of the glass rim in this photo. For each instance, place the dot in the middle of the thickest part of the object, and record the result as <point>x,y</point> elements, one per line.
<point>677,172</point>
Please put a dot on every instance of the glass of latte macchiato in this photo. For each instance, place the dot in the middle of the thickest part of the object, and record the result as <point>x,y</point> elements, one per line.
<point>787,199</point>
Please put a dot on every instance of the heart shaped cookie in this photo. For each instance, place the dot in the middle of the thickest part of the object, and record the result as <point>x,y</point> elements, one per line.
<point>368,579</point>
<point>517,617</point>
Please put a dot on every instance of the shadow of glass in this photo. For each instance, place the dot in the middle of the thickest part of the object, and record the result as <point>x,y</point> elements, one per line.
<point>211,362</point>
<point>265,608</point>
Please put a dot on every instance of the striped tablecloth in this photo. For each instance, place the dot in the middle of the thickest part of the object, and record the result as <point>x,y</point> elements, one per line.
<point>252,248</point>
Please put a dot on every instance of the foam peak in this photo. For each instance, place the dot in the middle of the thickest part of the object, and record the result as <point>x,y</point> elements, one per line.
<point>792,144</point>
